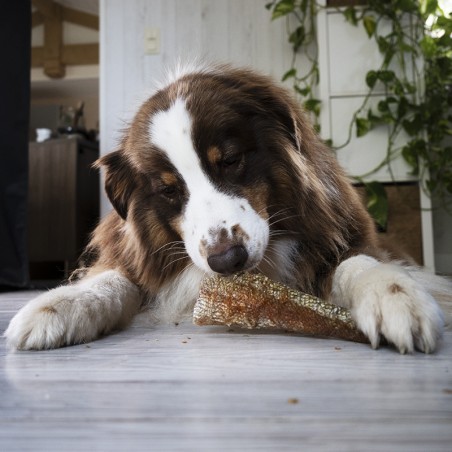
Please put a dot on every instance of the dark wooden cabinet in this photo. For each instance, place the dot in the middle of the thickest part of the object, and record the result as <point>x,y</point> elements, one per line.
<point>63,203</point>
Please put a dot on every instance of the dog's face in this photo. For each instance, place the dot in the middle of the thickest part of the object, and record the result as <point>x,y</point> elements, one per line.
<point>223,229</point>
<point>199,164</point>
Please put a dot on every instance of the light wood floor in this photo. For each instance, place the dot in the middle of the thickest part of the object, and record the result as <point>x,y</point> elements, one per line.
<point>189,388</point>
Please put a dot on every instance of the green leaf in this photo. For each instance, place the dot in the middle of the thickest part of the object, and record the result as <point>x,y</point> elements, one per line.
<point>398,88</point>
<point>412,152</point>
<point>303,91</point>
<point>313,105</point>
<point>289,74</point>
<point>386,76</point>
<point>350,15</point>
<point>383,44</point>
<point>444,22</point>
<point>370,25</point>
<point>297,37</point>
<point>431,7</point>
<point>283,8</point>
<point>413,126</point>
<point>383,106</point>
<point>375,120</point>
<point>410,87</point>
<point>402,108</point>
<point>371,79</point>
<point>388,56</point>
<point>407,5</point>
<point>363,126</point>
<point>428,46</point>
<point>377,202</point>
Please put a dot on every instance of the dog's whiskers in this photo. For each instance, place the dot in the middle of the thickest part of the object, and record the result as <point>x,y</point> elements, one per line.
<point>172,262</point>
<point>271,263</point>
<point>190,265</point>
<point>282,232</point>
<point>278,213</point>
<point>279,220</point>
<point>175,244</point>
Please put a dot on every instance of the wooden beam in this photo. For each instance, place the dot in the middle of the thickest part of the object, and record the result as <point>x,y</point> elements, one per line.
<point>37,56</point>
<point>73,55</point>
<point>54,56</point>
<point>53,43</point>
<point>45,7</point>
<point>76,54</point>
<point>80,18</point>
<point>36,19</point>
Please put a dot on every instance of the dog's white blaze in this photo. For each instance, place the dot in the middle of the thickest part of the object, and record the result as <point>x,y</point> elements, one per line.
<point>207,210</point>
<point>170,130</point>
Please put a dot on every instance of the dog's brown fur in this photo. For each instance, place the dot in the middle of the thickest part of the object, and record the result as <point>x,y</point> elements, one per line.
<point>321,209</point>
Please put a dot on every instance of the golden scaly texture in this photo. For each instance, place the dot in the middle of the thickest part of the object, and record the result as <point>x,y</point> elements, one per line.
<point>249,300</point>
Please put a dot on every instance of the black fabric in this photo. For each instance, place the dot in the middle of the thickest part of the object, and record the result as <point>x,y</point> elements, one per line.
<point>15,34</point>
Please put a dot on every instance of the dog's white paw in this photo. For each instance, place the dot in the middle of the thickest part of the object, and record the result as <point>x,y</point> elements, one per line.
<point>48,321</point>
<point>74,314</point>
<point>386,301</point>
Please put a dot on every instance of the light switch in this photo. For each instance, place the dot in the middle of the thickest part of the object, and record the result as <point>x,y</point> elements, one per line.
<point>151,41</point>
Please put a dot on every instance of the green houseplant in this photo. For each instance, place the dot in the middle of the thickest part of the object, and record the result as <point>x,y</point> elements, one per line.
<point>417,101</point>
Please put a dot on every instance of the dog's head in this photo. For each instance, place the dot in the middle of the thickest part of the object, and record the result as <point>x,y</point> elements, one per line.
<point>212,160</point>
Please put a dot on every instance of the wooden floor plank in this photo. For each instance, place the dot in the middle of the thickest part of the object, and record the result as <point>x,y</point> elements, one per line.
<point>212,389</point>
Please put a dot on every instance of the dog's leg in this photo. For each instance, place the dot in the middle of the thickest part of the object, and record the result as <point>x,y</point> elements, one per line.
<point>76,313</point>
<point>384,299</point>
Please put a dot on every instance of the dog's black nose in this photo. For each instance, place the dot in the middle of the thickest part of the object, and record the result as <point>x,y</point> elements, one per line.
<point>230,261</point>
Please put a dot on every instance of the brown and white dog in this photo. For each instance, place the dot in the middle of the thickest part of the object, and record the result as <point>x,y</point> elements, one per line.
<point>220,172</point>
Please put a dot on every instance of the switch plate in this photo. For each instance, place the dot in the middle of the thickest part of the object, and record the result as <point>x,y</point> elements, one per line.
<point>151,41</point>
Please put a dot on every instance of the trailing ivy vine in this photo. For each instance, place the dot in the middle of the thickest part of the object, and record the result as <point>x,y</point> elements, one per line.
<point>302,35</point>
<point>414,38</point>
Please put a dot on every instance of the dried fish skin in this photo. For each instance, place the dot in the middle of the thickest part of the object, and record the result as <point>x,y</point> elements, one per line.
<point>253,301</point>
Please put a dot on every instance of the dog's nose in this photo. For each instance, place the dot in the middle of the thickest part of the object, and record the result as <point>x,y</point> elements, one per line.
<point>230,261</point>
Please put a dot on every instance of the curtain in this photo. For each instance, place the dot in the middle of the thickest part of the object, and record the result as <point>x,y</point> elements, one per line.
<point>15,35</point>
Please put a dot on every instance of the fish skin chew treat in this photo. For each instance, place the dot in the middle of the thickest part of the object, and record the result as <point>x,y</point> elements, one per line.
<point>253,301</point>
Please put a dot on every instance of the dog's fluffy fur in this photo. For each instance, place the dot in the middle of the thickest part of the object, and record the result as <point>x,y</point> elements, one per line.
<point>220,171</point>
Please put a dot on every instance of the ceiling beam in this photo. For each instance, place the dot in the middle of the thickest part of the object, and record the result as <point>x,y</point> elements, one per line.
<point>54,55</point>
<point>73,54</point>
<point>80,18</point>
<point>45,7</point>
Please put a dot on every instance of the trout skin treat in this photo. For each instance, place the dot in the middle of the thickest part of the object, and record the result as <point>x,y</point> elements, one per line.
<point>253,301</point>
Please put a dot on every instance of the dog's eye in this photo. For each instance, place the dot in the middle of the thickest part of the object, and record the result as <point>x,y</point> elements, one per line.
<point>170,191</point>
<point>231,160</point>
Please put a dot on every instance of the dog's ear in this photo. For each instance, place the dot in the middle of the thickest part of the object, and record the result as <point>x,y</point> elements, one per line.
<point>120,180</point>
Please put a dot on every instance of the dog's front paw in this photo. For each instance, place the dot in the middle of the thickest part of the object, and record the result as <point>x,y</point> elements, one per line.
<point>48,321</point>
<point>76,313</point>
<point>386,301</point>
